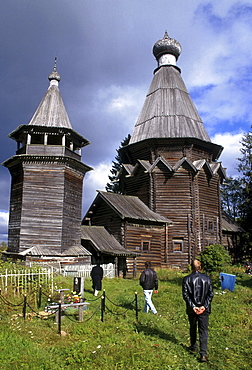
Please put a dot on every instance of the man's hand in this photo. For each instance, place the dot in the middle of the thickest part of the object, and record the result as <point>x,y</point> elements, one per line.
<point>156,291</point>
<point>199,310</point>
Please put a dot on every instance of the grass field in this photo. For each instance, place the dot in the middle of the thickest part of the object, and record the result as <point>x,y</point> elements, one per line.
<point>122,342</point>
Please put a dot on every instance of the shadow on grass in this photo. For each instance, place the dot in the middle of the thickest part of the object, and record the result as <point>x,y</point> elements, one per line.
<point>147,330</point>
<point>175,281</point>
<point>245,280</point>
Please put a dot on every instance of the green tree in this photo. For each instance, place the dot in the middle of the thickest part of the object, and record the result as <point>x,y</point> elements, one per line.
<point>245,168</point>
<point>236,196</point>
<point>232,197</point>
<point>114,186</point>
<point>3,246</point>
<point>214,258</point>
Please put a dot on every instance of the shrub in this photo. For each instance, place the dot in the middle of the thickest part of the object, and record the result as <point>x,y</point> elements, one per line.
<point>214,258</point>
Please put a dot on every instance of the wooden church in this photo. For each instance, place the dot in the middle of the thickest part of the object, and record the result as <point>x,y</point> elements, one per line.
<point>169,208</point>
<point>171,166</point>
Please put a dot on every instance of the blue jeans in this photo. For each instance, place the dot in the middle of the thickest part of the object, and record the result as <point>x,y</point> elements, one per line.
<point>148,301</point>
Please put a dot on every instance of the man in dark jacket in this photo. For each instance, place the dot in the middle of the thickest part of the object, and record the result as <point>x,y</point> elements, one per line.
<point>149,281</point>
<point>197,292</point>
<point>97,275</point>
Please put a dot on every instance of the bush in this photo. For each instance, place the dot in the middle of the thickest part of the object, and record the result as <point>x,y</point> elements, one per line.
<point>214,258</point>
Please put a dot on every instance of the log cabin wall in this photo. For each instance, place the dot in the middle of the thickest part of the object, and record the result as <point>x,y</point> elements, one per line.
<point>190,199</point>
<point>71,231</point>
<point>16,198</point>
<point>44,196</point>
<point>147,239</point>
<point>138,185</point>
<point>173,199</point>
<point>42,210</point>
<point>107,217</point>
<point>210,209</point>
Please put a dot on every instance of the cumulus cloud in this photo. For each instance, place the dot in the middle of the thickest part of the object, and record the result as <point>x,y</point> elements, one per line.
<point>231,151</point>
<point>95,180</point>
<point>124,101</point>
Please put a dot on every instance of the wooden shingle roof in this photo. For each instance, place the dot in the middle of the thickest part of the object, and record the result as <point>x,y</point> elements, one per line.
<point>229,225</point>
<point>168,110</point>
<point>103,241</point>
<point>131,207</point>
<point>51,111</point>
<point>40,251</point>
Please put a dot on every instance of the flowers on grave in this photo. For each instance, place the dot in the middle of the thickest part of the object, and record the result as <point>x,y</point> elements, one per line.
<point>73,297</point>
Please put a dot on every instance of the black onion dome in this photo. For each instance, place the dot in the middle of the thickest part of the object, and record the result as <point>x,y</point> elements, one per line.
<point>167,45</point>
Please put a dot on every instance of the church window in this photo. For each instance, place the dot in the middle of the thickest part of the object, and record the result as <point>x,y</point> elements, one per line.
<point>177,245</point>
<point>54,140</point>
<point>210,226</point>
<point>145,244</point>
<point>37,139</point>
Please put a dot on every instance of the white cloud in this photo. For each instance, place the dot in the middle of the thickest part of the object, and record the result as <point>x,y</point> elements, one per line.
<point>231,151</point>
<point>95,180</point>
<point>122,100</point>
<point>4,218</point>
<point>98,178</point>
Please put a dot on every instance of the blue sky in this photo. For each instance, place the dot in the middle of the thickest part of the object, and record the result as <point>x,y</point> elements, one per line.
<point>104,51</point>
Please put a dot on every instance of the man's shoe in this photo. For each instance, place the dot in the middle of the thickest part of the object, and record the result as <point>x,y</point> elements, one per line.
<point>203,359</point>
<point>193,349</point>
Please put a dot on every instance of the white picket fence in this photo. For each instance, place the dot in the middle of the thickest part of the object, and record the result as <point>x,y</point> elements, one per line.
<point>22,281</point>
<point>85,270</point>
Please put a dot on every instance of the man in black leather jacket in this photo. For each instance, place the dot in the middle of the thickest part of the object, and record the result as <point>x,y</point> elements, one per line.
<point>149,281</point>
<point>197,292</point>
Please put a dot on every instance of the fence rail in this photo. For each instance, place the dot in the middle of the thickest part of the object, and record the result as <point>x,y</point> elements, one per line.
<point>25,280</point>
<point>85,270</point>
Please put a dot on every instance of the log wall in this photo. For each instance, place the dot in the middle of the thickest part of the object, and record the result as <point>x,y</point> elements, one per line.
<point>45,206</point>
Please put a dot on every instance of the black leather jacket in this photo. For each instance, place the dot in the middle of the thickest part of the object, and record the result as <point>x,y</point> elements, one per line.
<point>197,291</point>
<point>148,279</point>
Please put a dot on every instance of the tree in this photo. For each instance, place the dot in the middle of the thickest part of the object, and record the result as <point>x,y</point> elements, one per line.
<point>114,185</point>
<point>236,196</point>
<point>214,258</point>
<point>245,168</point>
<point>232,197</point>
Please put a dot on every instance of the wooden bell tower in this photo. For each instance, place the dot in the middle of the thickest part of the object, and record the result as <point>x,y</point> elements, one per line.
<point>46,182</point>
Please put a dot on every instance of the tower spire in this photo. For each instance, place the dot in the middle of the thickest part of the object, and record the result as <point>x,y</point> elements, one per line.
<point>54,76</point>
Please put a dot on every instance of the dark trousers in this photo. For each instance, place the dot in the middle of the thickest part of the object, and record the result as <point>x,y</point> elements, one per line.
<point>200,322</point>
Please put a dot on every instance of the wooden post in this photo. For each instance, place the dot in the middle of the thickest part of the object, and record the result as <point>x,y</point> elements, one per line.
<point>134,267</point>
<point>102,307</point>
<point>24,306</point>
<point>59,318</point>
<point>80,313</point>
<point>136,305</point>
<point>39,296</point>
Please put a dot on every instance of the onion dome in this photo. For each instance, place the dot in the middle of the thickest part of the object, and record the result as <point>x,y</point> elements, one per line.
<point>166,45</point>
<point>54,75</point>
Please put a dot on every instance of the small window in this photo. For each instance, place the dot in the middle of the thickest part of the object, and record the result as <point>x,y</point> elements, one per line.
<point>145,245</point>
<point>37,139</point>
<point>210,226</point>
<point>54,140</point>
<point>177,245</point>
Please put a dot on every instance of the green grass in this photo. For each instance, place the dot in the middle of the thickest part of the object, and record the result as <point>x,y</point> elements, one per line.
<point>121,341</point>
